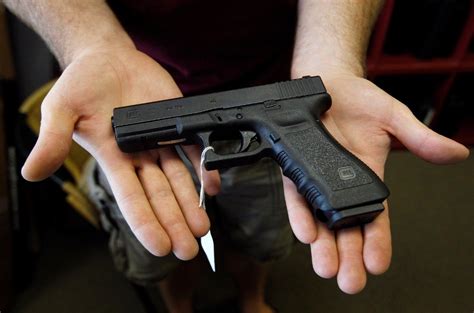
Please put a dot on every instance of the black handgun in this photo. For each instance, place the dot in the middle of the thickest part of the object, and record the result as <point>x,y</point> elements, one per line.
<point>281,121</point>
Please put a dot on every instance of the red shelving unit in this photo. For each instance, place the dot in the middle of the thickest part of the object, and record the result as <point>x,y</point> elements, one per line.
<point>461,60</point>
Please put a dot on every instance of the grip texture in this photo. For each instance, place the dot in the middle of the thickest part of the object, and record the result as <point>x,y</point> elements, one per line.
<point>342,190</point>
<point>326,160</point>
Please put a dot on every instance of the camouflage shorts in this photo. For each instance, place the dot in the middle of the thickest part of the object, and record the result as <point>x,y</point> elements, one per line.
<point>249,215</point>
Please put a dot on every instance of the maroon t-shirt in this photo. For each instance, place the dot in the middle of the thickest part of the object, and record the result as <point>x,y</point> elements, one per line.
<point>212,45</point>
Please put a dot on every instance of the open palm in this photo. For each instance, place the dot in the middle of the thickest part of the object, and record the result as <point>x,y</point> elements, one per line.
<point>153,189</point>
<point>363,118</point>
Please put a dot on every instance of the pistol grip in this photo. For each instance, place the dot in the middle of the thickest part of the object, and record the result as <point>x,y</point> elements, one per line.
<point>342,190</point>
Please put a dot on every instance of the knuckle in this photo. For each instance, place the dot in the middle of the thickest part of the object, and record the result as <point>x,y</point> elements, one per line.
<point>173,224</point>
<point>156,243</point>
<point>127,200</point>
<point>160,194</point>
<point>178,175</point>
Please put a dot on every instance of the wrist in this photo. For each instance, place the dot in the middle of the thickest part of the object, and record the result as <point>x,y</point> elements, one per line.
<point>72,27</point>
<point>83,44</point>
<point>328,64</point>
<point>332,36</point>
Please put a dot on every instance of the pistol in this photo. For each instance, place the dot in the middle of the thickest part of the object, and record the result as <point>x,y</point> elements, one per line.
<point>280,121</point>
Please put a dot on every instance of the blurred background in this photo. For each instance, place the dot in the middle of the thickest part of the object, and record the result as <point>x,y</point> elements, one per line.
<point>54,257</point>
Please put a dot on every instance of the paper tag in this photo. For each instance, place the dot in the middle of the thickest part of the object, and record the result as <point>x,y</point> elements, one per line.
<point>207,242</point>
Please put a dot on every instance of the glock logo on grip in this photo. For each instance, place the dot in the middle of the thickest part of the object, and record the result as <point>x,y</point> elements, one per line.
<point>346,172</point>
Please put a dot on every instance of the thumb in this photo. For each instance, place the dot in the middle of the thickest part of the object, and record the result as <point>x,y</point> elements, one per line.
<point>54,141</point>
<point>421,140</point>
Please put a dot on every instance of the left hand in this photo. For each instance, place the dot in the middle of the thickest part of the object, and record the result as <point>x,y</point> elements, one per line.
<point>363,118</point>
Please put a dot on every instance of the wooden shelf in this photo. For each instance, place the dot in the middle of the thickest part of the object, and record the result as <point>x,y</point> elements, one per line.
<point>408,64</point>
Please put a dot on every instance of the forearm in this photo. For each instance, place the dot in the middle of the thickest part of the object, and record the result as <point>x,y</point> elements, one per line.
<point>333,35</point>
<point>71,27</point>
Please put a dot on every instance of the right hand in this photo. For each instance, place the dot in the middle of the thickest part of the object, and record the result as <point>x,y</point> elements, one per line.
<point>154,189</point>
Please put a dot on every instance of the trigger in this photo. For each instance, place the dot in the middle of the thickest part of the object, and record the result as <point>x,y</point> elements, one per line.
<point>248,137</point>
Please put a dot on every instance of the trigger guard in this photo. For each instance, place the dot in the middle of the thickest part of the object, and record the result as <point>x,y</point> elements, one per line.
<point>215,161</point>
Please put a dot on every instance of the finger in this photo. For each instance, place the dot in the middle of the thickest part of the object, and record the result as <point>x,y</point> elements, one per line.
<point>212,181</point>
<point>133,203</point>
<point>377,249</point>
<point>421,140</point>
<point>164,204</point>
<point>351,277</point>
<point>300,216</point>
<point>185,193</point>
<point>54,141</point>
<point>324,253</point>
